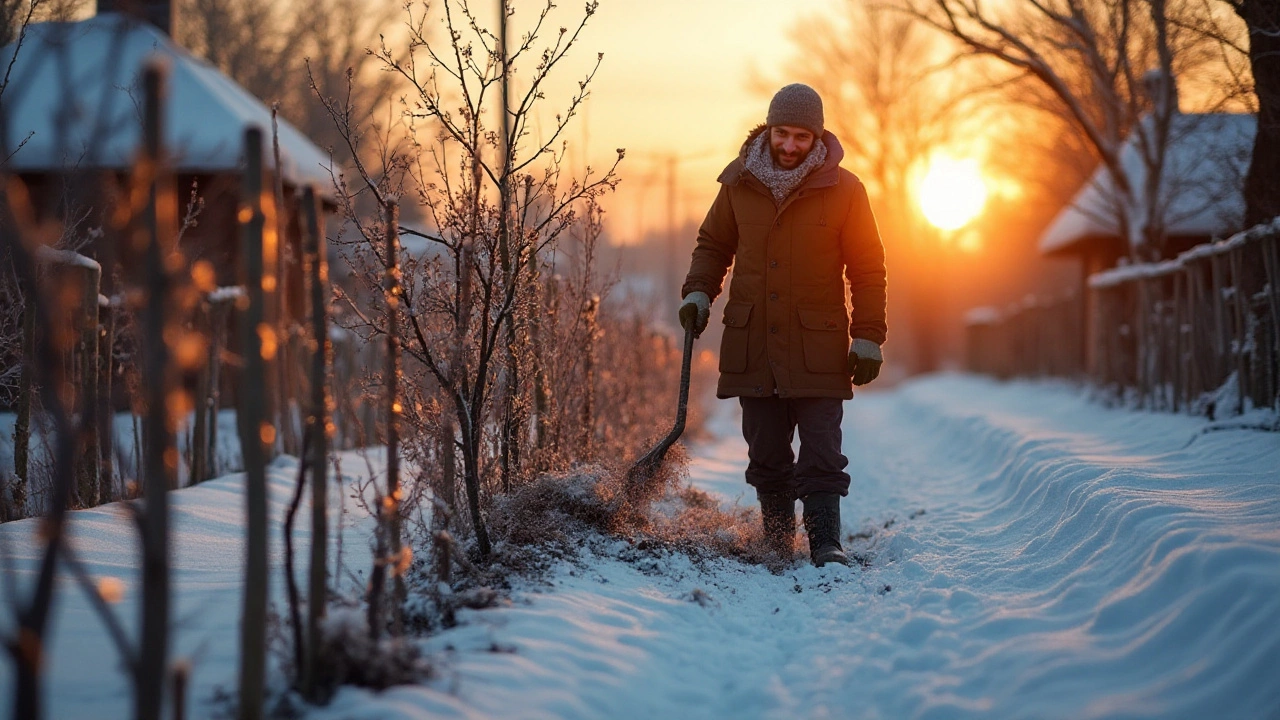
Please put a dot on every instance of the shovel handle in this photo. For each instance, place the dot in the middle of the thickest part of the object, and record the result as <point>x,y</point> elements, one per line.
<point>686,369</point>
<point>647,465</point>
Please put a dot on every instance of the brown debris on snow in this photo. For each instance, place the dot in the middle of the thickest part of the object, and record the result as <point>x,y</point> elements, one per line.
<point>562,510</point>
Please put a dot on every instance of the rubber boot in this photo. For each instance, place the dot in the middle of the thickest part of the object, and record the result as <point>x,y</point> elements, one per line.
<point>822,523</point>
<point>778,510</point>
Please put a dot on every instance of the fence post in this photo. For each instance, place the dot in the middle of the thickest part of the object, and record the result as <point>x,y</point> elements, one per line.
<point>106,405</point>
<point>1143,351</point>
<point>200,425</point>
<point>161,462</point>
<point>1243,380</point>
<point>1223,334</point>
<point>88,464</point>
<point>1271,262</point>
<point>1193,378</point>
<point>256,435</point>
<point>26,394</point>
<point>318,427</point>
<point>1181,343</point>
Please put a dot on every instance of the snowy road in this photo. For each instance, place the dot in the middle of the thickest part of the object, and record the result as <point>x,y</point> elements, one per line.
<point>1071,562</point>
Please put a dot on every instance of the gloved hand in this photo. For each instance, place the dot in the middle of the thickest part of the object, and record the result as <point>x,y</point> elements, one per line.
<point>864,361</point>
<point>695,309</point>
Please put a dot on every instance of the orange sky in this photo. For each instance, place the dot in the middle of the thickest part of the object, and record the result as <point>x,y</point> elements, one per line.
<point>676,78</point>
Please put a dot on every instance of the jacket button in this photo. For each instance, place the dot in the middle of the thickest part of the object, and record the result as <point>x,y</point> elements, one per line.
<point>759,389</point>
<point>773,263</point>
<point>773,296</point>
<point>773,328</point>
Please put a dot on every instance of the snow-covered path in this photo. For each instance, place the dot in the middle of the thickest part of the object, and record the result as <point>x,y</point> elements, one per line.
<point>1071,562</point>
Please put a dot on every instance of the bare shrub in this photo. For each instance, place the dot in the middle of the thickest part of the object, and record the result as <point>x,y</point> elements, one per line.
<point>348,656</point>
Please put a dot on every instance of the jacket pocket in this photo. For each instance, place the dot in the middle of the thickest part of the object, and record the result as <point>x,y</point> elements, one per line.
<point>736,341</point>
<point>824,330</point>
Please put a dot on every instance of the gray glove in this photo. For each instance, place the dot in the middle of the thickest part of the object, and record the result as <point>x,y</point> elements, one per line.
<point>695,309</point>
<point>864,361</point>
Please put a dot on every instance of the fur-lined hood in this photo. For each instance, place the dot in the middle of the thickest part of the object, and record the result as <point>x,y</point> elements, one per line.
<point>824,176</point>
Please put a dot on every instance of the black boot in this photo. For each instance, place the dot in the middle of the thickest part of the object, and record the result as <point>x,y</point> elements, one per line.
<point>778,510</point>
<point>822,522</point>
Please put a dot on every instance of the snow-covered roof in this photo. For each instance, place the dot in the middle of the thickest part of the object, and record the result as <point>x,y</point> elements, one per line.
<point>1205,164</point>
<point>74,97</point>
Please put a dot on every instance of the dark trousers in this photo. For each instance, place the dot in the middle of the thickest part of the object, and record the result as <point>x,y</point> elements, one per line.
<point>770,423</point>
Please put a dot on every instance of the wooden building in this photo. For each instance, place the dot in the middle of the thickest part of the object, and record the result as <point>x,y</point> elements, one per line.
<point>71,126</point>
<point>1200,200</point>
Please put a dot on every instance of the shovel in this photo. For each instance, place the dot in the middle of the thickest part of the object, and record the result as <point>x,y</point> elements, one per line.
<point>645,467</point>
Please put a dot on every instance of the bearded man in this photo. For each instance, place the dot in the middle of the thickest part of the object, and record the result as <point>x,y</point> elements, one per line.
<point>795,226</point>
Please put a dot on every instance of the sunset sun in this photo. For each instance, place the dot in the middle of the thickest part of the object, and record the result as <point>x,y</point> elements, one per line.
<point>952,192</point>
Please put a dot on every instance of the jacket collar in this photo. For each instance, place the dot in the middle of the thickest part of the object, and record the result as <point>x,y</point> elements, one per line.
<point>826,176</point>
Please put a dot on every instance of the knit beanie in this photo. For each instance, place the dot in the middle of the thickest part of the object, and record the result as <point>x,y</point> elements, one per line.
<point>797,105</point>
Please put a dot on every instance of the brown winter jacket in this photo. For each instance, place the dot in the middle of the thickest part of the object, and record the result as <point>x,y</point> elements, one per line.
<point>786,323</point>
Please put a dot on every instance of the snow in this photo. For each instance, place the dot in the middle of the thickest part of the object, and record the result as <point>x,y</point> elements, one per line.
<point>1200,188</point>
<point>1070,561</point>
<point>1136,271</point>
<point>69,258</point>
<point>1128,272</point>
<point>75,90</point>
<point>207,559</point>
<point>226,294</point>
<point>40,451</point>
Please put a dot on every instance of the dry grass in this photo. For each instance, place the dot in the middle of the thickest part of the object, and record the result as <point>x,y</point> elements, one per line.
<point>561,512</point>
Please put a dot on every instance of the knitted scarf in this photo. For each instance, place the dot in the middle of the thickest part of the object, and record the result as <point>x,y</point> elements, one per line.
<point>782,182</point>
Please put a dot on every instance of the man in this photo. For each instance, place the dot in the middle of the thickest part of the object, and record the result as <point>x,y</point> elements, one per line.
<point>795,226</point>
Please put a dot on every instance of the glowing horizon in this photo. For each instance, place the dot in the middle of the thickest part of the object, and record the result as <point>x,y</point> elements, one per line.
<point>678,80</point>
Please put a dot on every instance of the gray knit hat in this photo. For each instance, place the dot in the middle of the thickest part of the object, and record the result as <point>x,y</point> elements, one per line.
<point>797,105</point>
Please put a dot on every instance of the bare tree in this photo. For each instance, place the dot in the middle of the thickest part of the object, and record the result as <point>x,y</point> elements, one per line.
<point>266,46</point>
<point>1110,65</point>
<point>256,44</point>
<point>15,15</point>
<point>1263,20</point>
<point>461,292</point>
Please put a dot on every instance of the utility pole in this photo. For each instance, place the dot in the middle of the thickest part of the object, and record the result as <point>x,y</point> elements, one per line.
<point>672,270</point>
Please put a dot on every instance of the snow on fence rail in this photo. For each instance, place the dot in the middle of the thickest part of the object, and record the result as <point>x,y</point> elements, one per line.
<point>1171,335</point>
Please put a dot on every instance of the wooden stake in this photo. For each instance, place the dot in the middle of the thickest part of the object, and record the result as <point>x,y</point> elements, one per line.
<point>256,434</point>
<point>318,429</point>
<point>394,493</point>
<point>161,458</point>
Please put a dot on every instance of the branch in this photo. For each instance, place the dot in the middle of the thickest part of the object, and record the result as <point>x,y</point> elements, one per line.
<point>418,233</point>
<point>17,45</point>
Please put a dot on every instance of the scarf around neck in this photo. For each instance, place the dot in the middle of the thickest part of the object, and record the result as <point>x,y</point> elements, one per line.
<point>782,183</point>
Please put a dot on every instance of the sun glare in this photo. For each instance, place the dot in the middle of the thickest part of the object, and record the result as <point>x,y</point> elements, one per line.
<point>952,192</point>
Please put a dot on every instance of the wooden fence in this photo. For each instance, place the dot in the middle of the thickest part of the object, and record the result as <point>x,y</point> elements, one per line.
<point>1197,333</point>
<point>1036,337</point>
<point>99,351</point>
